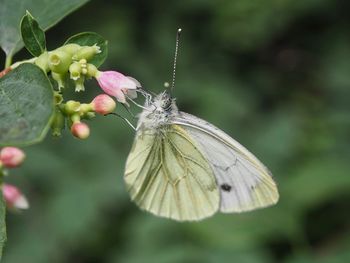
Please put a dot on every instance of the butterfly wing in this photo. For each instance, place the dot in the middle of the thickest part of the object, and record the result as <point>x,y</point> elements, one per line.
<point>166,175</point>
<point>244,182</point>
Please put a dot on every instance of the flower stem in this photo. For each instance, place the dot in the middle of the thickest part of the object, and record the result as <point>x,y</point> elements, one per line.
<point>15,65</point>
<point>8,61</point>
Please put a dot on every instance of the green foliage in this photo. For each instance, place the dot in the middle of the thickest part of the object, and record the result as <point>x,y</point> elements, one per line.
<point>47,12</point>
<point>32,35</point>
<point>90,39</point>
<point>246,25</point>
<point>27,103</point>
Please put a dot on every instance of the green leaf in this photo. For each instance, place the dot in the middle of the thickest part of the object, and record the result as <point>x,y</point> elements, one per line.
<point>2,225</point>
<point>89,39</point>
<point>32,35</point>
<point>48,13</point>
<point>26,105</point>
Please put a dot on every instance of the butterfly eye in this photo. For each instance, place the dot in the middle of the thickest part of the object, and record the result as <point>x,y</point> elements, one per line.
<point>166,103</point>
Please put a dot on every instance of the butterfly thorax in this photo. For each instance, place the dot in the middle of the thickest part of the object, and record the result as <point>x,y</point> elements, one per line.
<point>158,112</point>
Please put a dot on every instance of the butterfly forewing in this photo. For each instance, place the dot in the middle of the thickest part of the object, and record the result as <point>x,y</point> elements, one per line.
<point>167,175</point>
<point>244,182</point>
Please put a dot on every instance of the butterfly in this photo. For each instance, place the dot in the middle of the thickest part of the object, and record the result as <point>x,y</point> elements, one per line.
<point>184,168</point>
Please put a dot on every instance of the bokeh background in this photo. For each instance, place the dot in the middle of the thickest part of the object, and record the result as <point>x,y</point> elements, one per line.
<point>273,74</point>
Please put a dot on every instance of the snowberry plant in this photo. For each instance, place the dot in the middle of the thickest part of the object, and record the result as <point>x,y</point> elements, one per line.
<point>32,100</point>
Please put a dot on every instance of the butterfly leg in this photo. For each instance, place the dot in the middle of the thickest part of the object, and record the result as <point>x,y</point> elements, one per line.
<point>123,118</point>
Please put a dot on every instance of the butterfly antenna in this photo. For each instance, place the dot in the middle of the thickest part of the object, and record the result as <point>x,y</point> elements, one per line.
<point>175,58</point>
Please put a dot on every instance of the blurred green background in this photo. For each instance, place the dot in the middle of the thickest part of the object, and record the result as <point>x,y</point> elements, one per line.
<point>273,74</point>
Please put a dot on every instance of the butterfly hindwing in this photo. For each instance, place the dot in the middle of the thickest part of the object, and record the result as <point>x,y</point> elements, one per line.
<point>167,175</point>
<point>244,182</point>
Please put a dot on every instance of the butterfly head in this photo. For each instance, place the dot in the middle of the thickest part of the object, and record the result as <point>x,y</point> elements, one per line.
<point>163,102</point>
<point>158,111</point>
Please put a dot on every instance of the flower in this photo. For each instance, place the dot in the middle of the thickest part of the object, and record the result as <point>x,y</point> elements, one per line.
<point>71,107</point>
<point>14,197</point>
<point>80,130</point>
<point>59,61</point>
<point>11,157</point>
<point>103,104</point>
<point>87,52</point>
<point>117,85</point>
<point>58,123</point>
<point>75,70</point>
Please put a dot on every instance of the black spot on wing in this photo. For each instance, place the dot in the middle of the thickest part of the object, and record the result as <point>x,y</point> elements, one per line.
<point>226,187</point>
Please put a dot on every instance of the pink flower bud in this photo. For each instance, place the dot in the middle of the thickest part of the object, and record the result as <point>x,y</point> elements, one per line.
<point>13,197</point>
<point>80,130</point>
<point>11,156</point>
<point>103,104</point>
<point>116,84</point>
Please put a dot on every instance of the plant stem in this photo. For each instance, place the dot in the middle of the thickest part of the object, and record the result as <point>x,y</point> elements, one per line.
<point>15,65</point>
<point>8,61</point>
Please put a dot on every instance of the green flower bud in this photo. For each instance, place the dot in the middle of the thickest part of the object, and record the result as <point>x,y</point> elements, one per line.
<point>79,84</point>
<point>83,64</point>
<point>58,123</point>
<point>72,107</point>
<point>42,62</point>
<point>57,97</point>
<point>75,70</point>
<point>91,70</point>
<point>60,79</point>
<point>59,61</point>
<point>87,52</point>
<point>71,48</point>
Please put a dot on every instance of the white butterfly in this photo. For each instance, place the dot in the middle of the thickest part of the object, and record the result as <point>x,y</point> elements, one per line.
<point>184,168</point>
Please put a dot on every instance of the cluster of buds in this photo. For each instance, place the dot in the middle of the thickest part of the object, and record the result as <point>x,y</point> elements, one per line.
<point>73,60</point>
<point>75,112</point>
<point>11,157</point>
<point>70,59</point>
